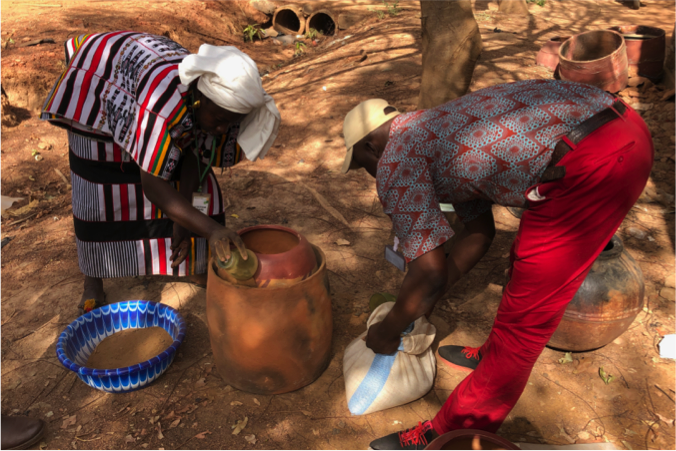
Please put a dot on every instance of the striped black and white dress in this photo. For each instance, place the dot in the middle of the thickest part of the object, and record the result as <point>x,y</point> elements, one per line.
<point>124,107</point>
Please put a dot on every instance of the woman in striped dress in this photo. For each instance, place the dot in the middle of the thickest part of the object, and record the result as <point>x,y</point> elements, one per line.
<point>146,121</point>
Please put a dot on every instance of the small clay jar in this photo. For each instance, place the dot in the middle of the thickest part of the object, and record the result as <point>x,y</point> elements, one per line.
<point>606,303</point>
<point>285,257</point>
<point>466,438</point>
<point>548,56</point>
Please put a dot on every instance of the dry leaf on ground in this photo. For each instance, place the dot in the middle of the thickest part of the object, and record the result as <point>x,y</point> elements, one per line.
<point>200,383</point>
<point>159,431</point>
<point>235,403</point>
<point>202,435</point>
<point>250,438</point>
<point>342,242</point>
<point>607,378</point>
<point>567,358</point>
<point>307,413</point>
<point>68,421</point>
<point>129,439</point>
<point>241,424</point>
<point>665,419</point>
<point>174,423</point>
<point>257,402</point>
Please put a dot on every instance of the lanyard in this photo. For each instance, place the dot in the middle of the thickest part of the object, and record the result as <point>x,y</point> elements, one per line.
<point>201,174</point>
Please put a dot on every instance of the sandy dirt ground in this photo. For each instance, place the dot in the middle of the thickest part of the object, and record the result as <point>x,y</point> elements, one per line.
<point>41,283</point>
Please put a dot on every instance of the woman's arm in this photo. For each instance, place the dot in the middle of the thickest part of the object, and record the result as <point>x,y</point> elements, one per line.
<point>180,210</point>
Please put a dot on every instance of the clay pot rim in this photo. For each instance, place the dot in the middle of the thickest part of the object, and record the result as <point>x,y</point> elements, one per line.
<point>660,32</point>
<point>447,437</point>
<point>321,265</point>
<point>298,11</point>
<point>560,39</point>
<point>569,40</point>
<point>272,227</point>
<point>327,12</point>
<point>616,251</point>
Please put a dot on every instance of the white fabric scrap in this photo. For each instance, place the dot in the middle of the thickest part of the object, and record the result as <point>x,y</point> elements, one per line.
<point>231,80</point>
<point>668,347</point>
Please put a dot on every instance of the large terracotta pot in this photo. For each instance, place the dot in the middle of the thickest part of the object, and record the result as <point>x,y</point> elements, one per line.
<point>548,56</point>
<point>462,439</point>
<point>285,257</point>
<point>270,340</point>
<point>645,50</point>
<point>606,304</point>
<point>598,58</point>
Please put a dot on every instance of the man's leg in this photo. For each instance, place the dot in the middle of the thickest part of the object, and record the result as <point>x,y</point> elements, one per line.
<point>558,240</point>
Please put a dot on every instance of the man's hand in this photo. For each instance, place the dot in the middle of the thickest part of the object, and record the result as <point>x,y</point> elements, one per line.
<point>382,341</point>
<point>219,243</point>
<point>180,245</point>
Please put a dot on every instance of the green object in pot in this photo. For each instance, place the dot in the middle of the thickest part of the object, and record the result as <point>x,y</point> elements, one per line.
<point>380,298</point>
<point>239,268</point>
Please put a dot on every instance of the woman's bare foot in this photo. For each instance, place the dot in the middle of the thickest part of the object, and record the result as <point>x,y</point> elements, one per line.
<point>93,295</point>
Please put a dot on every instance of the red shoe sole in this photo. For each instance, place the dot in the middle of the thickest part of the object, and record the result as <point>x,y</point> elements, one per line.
<point>453,365</point>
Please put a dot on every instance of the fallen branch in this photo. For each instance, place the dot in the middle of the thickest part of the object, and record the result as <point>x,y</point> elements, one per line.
<point>660,389</point>
<point>63,177</point>
<point>325,204</point>
<point>39,41</point>
<point>22,220</point>
<point>10,318</point>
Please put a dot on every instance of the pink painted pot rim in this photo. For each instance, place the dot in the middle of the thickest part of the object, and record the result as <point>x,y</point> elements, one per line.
<point>617,50</point>
<point>443,439</point>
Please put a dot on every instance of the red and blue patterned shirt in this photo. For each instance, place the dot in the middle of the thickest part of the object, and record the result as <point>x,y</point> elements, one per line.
<point>483,148</point>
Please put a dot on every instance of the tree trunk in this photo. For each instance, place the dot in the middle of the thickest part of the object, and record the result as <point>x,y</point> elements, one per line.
<point>513,7</point>
<point>451,45</point>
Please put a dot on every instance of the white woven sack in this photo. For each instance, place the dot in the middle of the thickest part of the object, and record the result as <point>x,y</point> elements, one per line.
<point>375,382</point>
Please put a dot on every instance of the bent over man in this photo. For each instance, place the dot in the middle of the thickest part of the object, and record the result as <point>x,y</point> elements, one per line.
<point>576,157</point>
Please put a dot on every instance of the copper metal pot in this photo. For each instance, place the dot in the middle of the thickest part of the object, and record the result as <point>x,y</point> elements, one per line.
<point>598,58</point>
<point>462,439</point>
<point>606,303</point>
<point>284,256</point>
<point>270,340</point>
<point>645,50</point>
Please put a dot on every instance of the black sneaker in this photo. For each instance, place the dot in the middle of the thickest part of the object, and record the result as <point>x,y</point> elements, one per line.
<point>415,438</point>
<point>461,357</point>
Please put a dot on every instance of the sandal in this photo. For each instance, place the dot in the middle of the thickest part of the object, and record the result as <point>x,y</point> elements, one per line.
<point>91,304</point>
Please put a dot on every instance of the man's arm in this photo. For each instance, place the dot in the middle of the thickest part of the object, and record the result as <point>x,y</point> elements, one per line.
<point>428,278</point>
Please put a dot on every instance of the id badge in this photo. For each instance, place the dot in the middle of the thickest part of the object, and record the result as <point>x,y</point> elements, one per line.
<point>201,202</point>
<point>394,257</point>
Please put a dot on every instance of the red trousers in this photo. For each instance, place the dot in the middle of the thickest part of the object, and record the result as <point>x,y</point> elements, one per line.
<point>558,240</point>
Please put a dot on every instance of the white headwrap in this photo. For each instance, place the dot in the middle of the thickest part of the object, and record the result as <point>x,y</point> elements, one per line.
<point>231,80</point>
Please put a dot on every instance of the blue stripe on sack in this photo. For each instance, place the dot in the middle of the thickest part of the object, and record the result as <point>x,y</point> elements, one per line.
<point>374,381</point>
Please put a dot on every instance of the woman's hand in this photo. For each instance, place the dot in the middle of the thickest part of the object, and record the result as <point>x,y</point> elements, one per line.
<point>180,245</point>
<point>380,341</point>
<point>219,243</point>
